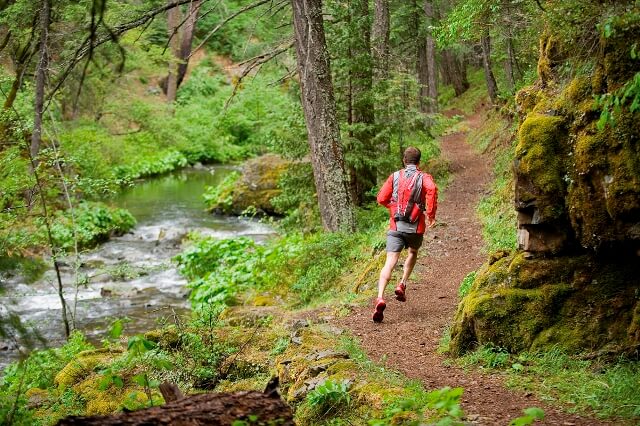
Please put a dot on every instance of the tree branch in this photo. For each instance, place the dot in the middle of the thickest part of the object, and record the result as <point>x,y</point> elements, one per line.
<point>227,19</point>
<point>255,62</point>
<point>90,43</point>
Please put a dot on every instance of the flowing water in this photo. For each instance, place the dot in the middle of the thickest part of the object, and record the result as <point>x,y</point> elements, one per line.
<point>130,276</point>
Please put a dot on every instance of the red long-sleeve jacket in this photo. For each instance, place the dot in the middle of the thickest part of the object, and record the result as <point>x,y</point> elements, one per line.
<point>429,197</point>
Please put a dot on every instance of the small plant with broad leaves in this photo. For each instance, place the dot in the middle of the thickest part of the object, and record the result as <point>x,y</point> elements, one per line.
<point>330,397</point>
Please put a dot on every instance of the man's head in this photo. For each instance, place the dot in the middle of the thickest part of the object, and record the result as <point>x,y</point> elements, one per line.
<point>411,156</point>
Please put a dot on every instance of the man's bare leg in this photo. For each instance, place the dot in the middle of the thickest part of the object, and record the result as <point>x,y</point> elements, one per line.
<point>409,263</point>
<point>385,273</point>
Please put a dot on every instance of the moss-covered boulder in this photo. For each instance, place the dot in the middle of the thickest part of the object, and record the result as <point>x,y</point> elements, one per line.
<point>579,303</point>
<point>254,188</point>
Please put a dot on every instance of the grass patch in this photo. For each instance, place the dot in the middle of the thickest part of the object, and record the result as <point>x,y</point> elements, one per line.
<point>606,389</point>
<point>496,212</point>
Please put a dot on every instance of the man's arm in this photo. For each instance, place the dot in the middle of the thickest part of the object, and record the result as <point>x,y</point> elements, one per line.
<point>384,196</point>
<point>431,199</point>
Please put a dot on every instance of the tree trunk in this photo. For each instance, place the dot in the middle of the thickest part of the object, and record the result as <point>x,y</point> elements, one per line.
<point>426,62</point>
<point>41,69</point>
<point>455,70</point>
<point>510,64</point>
<point>173,21</point>
<point>380,39</point>
<point>320,116</point>
<point>188,31</point>
<point>432,70</point>
<point>492,86</point>
<point>362,176</point>
<point>380,35</point>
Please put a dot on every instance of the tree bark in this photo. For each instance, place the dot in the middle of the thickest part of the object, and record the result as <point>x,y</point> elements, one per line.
<point>203,409</point>
<point>41,69</point>
<point>492,86</point>
<point>426,61</point>
<point>320,116</point>
<point>173,21</point>
<point>362,176</point>
<point>380,39</point>
<point>432,70</point>
<point>188,32</point>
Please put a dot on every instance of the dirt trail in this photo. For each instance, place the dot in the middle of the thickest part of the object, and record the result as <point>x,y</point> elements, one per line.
<point>408,338</point>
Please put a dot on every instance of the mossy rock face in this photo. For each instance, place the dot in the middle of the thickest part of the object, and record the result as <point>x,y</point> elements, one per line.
<point>579,303</point>
<point>615,65</point>
<point>578,184</point>
<point>258,185</point>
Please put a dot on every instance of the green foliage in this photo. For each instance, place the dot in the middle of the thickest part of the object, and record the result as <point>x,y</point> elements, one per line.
<point>36,371</point>
<point>91,223</point>
<point>439,407</point>
<point>487,356</point>
<point>607,388</point>
<point>465,285</point>
<point>531,415</point>
<point>611,104</point>
<point>303,268</point>
<point>496,212</point>
<point>330,397</point>
<point>220,269</point>
<point>220,197</point>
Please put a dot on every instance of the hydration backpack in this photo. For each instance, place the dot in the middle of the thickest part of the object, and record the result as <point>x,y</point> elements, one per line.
<point>406,192</point>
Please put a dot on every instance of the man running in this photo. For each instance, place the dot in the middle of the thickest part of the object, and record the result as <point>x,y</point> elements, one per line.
<point>410,195</point>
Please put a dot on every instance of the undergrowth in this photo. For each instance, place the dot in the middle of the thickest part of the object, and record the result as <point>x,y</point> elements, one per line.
<point>604,388</point>
<point>495,210</point>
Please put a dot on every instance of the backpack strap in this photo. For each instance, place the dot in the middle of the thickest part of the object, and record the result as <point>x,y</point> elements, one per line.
<point>417,191</point>
<point>396,183</point>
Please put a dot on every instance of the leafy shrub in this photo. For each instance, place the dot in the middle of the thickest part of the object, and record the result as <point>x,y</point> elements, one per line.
<point>37,371</point>
<point>531,415</point>
<point>220,197</point>
<point>330,397</point>
<point>302,267</point>
<point>92,223</point>
<point>219,269</point>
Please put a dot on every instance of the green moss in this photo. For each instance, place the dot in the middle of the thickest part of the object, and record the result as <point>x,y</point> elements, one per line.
<point>113,398</point>
<point>83,365</point>
<point>538,149</point>
<point>577,303</point>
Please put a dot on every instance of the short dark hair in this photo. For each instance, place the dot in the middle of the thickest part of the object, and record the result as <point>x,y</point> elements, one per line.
<point>411,155</point>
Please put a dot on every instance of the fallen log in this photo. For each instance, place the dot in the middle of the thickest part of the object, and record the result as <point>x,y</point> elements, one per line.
<point>204,409</point>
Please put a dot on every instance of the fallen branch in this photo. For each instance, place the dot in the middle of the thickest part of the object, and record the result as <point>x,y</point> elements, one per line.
<point>202,409</point>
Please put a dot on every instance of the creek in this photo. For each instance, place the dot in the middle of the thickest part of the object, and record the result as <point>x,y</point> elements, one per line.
<point>130,276</point>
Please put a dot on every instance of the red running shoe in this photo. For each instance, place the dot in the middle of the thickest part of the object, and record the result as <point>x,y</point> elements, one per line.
<point>400,290</point>
<point>377,313</point>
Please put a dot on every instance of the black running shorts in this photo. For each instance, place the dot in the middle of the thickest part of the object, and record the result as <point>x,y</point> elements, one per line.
<point>396,241</point>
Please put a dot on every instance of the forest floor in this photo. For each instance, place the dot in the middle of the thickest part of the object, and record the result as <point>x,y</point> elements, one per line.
<point>408,338</point>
